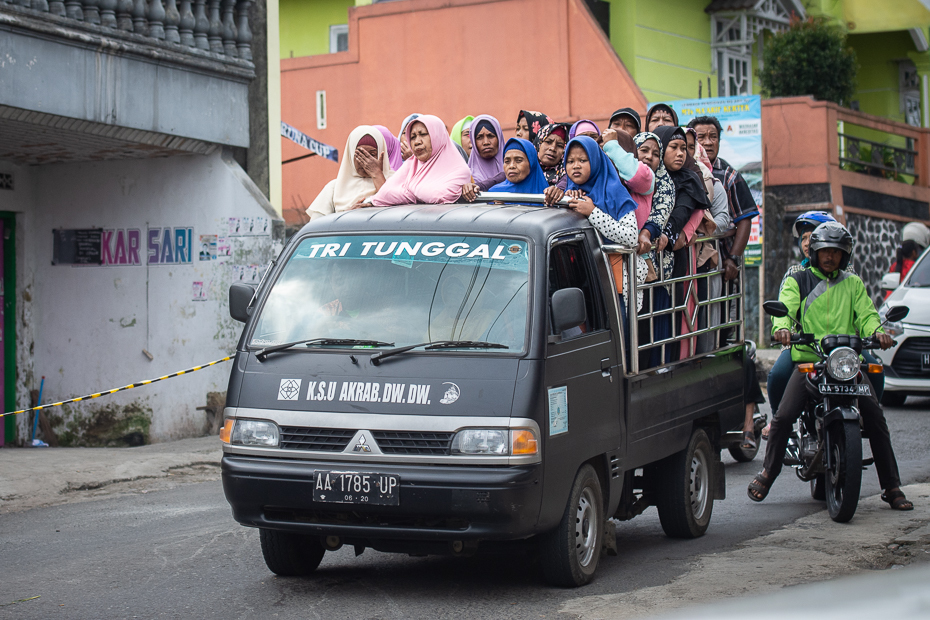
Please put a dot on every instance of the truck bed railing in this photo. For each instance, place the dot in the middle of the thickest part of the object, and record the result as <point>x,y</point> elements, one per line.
<point>690,313</point>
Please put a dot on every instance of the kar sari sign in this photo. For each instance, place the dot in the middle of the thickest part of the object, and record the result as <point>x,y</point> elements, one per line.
<point>740,146</point>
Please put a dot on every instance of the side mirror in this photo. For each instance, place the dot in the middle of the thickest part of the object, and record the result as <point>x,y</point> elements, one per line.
<point>891,281</point>
<point>240,296</point>
<point>567,309</point>
<point>775,308</point>
<point>896,314</point>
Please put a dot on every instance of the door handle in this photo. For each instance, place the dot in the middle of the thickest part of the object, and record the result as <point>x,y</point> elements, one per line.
<point>606,370</point>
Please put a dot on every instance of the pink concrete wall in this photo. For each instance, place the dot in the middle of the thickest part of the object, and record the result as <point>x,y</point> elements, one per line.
<point>450,58</point>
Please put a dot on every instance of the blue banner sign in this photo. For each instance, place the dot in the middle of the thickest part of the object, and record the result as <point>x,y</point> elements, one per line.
<point>315,146</point>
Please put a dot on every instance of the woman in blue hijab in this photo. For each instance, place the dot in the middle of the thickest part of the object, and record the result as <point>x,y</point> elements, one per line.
<point>523,173</point>
<point>598,194</point>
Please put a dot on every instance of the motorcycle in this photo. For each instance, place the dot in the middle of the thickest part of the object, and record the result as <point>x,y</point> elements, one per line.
<point>826,446</point>
<point>759,420</point>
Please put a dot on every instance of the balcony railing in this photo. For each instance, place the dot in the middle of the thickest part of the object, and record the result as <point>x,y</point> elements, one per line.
<point>885,150</point>
<point>216,26</point>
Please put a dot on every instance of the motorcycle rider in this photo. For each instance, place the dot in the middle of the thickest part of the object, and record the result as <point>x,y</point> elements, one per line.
<point>826,299</point>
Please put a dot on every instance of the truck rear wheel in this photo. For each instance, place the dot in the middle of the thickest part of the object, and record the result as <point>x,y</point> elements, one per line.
<point>685,489</point>
<point>290,555</point>
<point>570,553</point>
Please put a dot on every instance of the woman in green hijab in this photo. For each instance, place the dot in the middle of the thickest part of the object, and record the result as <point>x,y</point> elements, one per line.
<point>461,134</point>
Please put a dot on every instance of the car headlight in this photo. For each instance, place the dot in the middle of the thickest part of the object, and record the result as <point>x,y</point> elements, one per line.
<point>843,364</point>
<point>495,441</point>
<point>255,433</point>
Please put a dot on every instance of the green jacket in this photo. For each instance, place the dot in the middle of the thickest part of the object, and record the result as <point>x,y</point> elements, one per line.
<point>823,306</point>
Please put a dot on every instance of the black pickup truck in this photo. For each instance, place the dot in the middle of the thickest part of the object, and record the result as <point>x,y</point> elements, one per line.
<point>438,379</point>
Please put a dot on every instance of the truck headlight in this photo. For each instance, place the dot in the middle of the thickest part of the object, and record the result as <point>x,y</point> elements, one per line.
<point>843,364</point>
<point>494,441</point>
<point>892,329</point>
<point>255,433</point>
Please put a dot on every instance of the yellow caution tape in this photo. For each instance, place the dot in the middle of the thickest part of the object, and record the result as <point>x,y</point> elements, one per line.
<point>119,389</point>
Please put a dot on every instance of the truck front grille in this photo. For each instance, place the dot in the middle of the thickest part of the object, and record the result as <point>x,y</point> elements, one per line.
<point>413,442</point>
<point>319,439</point>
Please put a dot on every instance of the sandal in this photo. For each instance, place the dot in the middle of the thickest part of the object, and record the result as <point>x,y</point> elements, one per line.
<point>749,441</point>
<point>759,487</point>
<point>897,501</point>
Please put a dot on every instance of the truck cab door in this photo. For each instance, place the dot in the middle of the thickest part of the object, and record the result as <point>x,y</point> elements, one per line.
<point>584,379</point>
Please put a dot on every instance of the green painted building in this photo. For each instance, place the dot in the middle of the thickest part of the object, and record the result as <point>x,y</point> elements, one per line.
<point>685,49</point>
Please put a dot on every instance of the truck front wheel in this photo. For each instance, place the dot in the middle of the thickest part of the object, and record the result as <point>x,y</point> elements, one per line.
<point>685,494</point>
<point>570,553</point>
<point>290,555</point>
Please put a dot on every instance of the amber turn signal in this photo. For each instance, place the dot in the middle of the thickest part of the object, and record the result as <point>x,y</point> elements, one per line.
<point>875,369</point>
<point>524,442</point>
<point>226,431</point>
<point>805,368</point>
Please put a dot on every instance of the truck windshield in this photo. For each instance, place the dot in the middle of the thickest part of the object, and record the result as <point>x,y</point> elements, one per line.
<point>401,289</point>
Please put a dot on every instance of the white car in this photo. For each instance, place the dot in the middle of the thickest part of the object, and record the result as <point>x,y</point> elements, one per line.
<point>907,364</point>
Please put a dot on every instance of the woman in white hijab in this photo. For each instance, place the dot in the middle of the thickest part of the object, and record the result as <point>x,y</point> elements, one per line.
<point>364,168</point>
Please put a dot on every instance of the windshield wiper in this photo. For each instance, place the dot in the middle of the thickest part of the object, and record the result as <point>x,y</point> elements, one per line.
<point>261,355</point>
<point>437,344</point>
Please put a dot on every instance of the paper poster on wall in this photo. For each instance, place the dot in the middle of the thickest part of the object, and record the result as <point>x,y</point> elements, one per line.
<point>558,410</point>
<point>246,273</point>
<point>233,226</point>
<point>740,146</point>
<point>207,247</point>
<point>199,291</point>
<point>222,247</point>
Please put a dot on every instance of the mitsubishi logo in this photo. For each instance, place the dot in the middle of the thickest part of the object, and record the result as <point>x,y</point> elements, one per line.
<point>362,445</point>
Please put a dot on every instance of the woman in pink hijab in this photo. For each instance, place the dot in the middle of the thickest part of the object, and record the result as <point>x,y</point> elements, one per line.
<point>392,146</point>
<point>434,175</point>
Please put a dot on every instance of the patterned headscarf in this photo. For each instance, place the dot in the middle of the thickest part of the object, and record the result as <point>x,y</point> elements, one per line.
<point>535,121</point>
<point>553,173</point>
<point>663,197</point>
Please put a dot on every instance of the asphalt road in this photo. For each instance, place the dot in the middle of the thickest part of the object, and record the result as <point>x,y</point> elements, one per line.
<point>179,554</point>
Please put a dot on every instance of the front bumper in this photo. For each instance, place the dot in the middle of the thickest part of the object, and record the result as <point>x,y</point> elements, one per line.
<point>437,503</point>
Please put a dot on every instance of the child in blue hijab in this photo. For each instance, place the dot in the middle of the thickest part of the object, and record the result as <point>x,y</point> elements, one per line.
<point>598,194</point>
<point>523,173</point>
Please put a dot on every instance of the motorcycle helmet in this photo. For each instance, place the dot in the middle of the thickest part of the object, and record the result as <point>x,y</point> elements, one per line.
<point>809,221</point>
<point>916,232</point>
<point>831,235</point>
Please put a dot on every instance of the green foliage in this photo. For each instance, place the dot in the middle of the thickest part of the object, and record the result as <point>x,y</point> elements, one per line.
<point>810,58</point>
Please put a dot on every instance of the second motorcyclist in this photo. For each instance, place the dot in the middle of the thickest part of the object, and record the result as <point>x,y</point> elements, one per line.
<point>826,299</point>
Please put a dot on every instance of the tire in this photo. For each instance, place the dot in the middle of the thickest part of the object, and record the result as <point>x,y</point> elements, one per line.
<point>290,555</point>
<point>570,552</point>
<point>685,489</point>
<point>818,491</point>
<point>843,481</point>
<point>894,399</point>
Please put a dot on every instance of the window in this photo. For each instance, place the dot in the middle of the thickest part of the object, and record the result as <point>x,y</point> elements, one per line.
<point>338,38</point>
<point>570,267</point>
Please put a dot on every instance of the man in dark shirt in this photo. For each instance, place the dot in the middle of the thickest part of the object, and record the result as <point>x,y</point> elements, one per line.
<point>742,205</point>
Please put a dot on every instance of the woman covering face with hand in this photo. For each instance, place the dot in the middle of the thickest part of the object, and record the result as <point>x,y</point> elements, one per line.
<point>434,174</point>
<point>364,169</point>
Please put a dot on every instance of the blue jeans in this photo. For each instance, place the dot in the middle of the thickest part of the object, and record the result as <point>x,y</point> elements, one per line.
<point>781,373</point>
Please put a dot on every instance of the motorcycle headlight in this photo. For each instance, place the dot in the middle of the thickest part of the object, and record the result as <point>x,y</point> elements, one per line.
<point>843,364</point>
<point>255,433</point>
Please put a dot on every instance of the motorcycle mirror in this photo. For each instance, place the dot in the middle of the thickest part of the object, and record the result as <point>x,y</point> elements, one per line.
<point>777,308</point>
<point>896,314</point>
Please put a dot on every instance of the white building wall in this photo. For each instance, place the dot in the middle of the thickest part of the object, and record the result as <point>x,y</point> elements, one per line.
<point>85,328</point>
